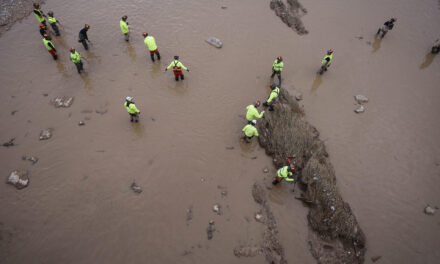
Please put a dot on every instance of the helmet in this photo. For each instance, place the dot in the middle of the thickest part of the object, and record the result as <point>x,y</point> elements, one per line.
<point>393,19</point>
<point>257,103</point>
<point>124,18</point>
<point>289,168</point>
<point>280,58</point>
<point>330,51</point>
<point>72,49</point>
<point>42,25</point>
<point>36,5</point>
<point>87,26</point>
<point>273,85</point>
<point>50,13</point>
<point>129,98</point>
<point>254,122</point>
<point>176,57</point>
<point>145,34</point>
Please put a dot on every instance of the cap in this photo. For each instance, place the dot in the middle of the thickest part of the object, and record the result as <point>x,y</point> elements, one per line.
<point>330,51</point>
<point>254,122</point>
<point>129,98</point>
<point>176,57</point>
<point>257,103</point>
<point>280,58</point>
<point>145,34</point>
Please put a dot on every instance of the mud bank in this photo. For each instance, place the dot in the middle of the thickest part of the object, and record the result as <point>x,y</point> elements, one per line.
<point>12,11</point>
<point>337,237</point>
<point>290,14</point>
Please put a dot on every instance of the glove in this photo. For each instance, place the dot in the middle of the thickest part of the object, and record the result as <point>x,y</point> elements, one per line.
<point>166,69</point>
<point>262,112</point>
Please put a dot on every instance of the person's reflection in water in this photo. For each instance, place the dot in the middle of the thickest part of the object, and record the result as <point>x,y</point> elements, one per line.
<point>156,70</point>
<point>131,52</point>
<point>139,129</point>
<point>376,43</point>
<point>61,69</point>
<point>429,58</point>
<point>87,82</point>
<point>316,83</point>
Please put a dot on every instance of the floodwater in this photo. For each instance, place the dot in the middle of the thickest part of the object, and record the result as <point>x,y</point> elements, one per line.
<point>79,208</point>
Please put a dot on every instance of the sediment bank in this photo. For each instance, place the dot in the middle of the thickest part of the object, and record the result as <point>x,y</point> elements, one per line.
<point>337,236</point>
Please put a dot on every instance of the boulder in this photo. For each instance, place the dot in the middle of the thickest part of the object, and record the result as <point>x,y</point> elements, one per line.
<point>63,101</point>
<point>30,158</point>
<point>214,42</point>
<point>429,210</point>
<point>19,179</point>
<point>361,99</point>
<point>360,109</point>
<point>45,134</point>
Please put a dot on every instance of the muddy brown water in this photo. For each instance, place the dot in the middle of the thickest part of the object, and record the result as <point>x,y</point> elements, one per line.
<point>79,207</point>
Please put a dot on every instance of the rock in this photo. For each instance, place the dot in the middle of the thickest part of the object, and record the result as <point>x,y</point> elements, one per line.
<point>101,111</point>
<point>375,258</point>
<point>210,230</point>
<point>45,134</point>
<point>246,251</point>
<point>63,101</point>
<point>81,123</point>
<point>298,96</point>
<point>189,214</point>
<point>361,99</point>
<point>10,143</point>
<point>30,158</point>
<point>429,210</point>
<point>136,188</point>
<point>260,217</point>
<point>224,7</point>
<point>202,179</point>
<point>265,170</point>
<point>217,209</point>
<point>360,109</point>
<point>214,42</point>
<point>230,147</point>
<point>13,112</point>
<point>19,179</point>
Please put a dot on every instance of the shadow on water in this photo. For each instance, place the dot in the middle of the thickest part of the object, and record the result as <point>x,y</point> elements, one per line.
<point>247,148</point>
<point>316,83</point>
<point>429,58</point>
<point>156,69</point>
<point>61,69</point>
<point>131,52</point>
<point>139,129</point>
<point>376,43</point>
<point>92,57</point>
<point>179,88</point>
<point>87,82</point>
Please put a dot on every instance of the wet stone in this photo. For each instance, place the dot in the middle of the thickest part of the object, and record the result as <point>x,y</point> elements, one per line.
<point>45,134</point>
<point>298,96</point>
<point>259,217</point>
<point>81,123</point>
<point>30,158</point>
<point>361,99</point>
<point>246,251</point>
<point>360,109</point>
<point>229,147</point>
<point>214,42</point>
<point>265,170</point>
<point>210,230</point>
<point>19,179</point>
<point>10,143</point>
<point>13,112</point>
<point>136,188</point>
<point>189,214</point>
<point>217,209</point>
<point>429,210</point>
<point>63,101</point>
<point>375,258</point>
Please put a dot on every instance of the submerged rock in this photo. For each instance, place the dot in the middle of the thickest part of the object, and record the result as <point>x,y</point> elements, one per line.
<point>63,101</point>
<point>214,42</point>
<point>259,217</point>
<point>361,99</point>
<point>246,251</point>
<point>10,143</point>
<point>19,179</point>
<point>217,209</point>
<point>298,96</point>
<point>210,230</point>
<point>30,158</point>
<point>375,258</point>
<point>189,214</point>
<point>81,123</point>
<point>136,188</point>
<point>45,134</point>
<point>429,210</point>
<point>360,109</point>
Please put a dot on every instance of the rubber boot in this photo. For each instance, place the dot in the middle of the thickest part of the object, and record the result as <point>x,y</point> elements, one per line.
<point>177,78</point>
<point>182,77</point>
<point>158,55</point>
<point>55,57</point>
<point>271,108</point>
<point>152,57</point>
<point>275,182</point>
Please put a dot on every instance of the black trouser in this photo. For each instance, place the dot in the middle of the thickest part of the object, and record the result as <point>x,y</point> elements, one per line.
<point>79,66</point>
<point>55,29</point>
<point>278,73</point>
<point>84,42</point>
<point>157,54</point>
<point>134,117</point>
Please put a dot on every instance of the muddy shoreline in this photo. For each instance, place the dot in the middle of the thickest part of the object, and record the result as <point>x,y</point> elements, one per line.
<point>284,132</point>
<point>12,11</point>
